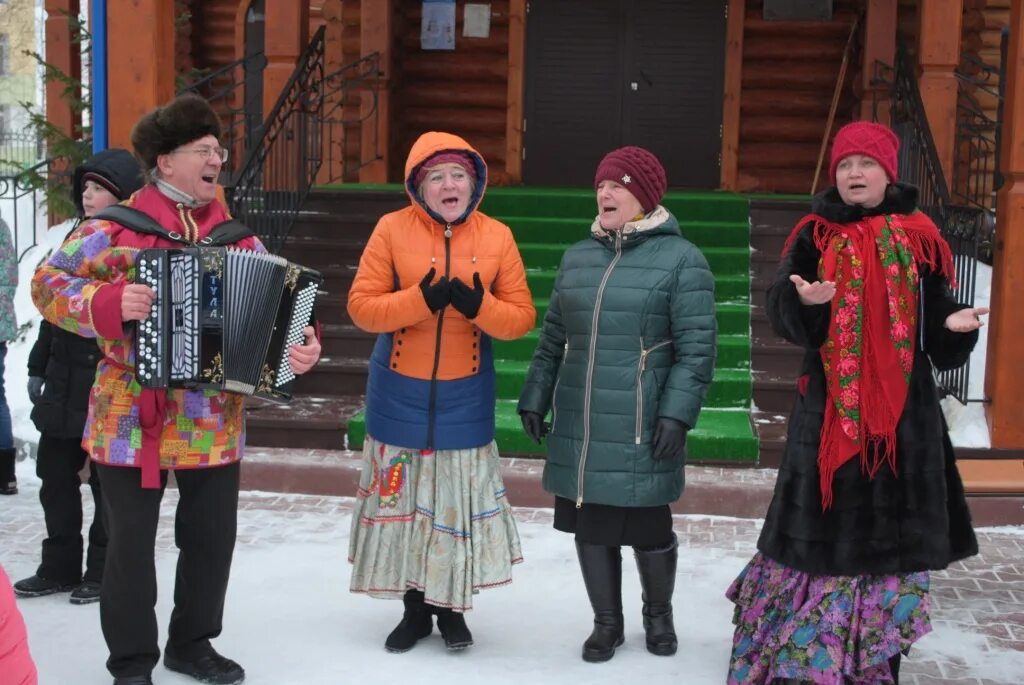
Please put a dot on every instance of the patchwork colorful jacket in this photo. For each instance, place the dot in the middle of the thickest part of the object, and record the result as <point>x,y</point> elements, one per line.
<point>80,288</point>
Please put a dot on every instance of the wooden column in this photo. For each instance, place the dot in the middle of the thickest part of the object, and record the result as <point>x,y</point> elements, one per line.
<point>516,94</point>
<point>375,35</point>
<point>140,56</point>
<point>286,37</point>
<point>938,56</point>
<point>731,95</point>
<point>1005,363</point>
<point>879,46</point>
<point>66,56</point>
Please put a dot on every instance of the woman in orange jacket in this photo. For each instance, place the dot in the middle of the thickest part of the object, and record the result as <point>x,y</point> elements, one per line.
<point>437,280</point>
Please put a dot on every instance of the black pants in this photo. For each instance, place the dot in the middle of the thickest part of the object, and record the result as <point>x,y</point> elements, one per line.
<point>204,532</point>
<point>57,464</point>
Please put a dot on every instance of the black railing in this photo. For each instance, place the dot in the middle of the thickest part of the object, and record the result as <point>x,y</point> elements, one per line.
<point>26,197</point>
<point>282,166</point>
<point>977,135</point>
<point>919,165</point>
<point>351,93</point>
<point>235,92</point>
<point>19,151</point>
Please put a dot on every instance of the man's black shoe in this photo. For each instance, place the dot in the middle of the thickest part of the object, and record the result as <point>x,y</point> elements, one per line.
<point>86,593</point>
<point>210,667</point>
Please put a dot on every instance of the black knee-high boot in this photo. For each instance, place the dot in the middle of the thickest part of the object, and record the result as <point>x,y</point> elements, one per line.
<point>602,576</point>
<point>658,579</point>
<point>417,622</point>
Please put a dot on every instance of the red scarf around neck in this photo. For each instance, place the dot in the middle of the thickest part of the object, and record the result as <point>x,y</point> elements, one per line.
<point>869,353</point>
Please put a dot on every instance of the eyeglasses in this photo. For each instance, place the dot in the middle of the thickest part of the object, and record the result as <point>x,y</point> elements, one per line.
<point>205,152</point>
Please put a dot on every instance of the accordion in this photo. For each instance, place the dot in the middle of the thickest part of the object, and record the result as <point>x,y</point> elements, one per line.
<point>223,318</point>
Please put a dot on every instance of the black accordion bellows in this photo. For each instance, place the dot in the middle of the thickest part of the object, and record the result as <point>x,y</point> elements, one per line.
<point>223,318</point>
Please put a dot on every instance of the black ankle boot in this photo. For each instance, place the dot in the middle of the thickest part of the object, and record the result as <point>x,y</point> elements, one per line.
<point>602,576</point>
<point>415,625</point>
<point>8,481</point>
<point>454,630</point>
<point>658,579</point>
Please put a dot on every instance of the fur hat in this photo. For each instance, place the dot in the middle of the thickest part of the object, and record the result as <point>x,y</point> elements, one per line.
<point>184,119</point>
<point>638,171</point>
<point>866,138</point>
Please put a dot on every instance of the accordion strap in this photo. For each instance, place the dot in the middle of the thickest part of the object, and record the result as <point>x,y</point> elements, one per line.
<point>224,233</point>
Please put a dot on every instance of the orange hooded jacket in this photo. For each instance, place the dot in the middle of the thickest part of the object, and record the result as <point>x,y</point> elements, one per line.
<point>386,297</point>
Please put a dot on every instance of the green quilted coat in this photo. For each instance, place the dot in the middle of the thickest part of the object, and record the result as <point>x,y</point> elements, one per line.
<point>629,336</point>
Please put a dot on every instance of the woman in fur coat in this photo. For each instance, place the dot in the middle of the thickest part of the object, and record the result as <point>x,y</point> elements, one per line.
<point>868,499</point>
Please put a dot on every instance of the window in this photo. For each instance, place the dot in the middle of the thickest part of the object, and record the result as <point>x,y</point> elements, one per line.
<point>4,50</point>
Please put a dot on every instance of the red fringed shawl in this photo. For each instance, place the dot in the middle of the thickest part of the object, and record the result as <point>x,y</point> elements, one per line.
<point>869,353</point>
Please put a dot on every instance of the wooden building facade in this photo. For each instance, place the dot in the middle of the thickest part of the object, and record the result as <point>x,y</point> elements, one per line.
<point>727,97</point>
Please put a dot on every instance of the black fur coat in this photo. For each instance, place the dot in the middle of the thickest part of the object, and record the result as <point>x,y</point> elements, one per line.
<point>911,521</point>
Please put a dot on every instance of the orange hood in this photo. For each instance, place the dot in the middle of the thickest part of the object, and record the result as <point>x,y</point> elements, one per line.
<point>425,147</point>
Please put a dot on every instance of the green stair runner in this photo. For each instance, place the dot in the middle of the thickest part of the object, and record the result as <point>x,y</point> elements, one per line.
<point>545,222</point>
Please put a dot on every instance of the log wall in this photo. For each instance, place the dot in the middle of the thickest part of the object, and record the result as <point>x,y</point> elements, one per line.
<point>789,74</point>
<point>463,91</point>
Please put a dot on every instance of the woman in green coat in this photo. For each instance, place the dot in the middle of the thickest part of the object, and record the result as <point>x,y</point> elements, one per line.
<point>623,363</point>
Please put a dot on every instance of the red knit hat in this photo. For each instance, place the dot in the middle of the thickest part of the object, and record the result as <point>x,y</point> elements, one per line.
<point>637,170</point>
<point>446,157</point>
<point>866,138</point>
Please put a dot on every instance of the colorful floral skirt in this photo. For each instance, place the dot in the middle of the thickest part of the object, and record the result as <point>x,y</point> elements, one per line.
<point>829,630</point>
<point>438,522</point>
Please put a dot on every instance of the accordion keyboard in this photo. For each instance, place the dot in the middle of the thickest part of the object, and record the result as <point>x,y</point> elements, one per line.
<point>150,355</point>
<point>304,300</point>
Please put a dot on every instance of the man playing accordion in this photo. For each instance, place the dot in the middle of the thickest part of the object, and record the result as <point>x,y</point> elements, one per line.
<point>87,287</point>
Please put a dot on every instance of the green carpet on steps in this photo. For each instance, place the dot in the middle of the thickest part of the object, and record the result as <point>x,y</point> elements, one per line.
<point>545,222</point>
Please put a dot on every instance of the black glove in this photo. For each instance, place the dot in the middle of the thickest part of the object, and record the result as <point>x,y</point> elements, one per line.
<point>35,388</point>
<point>465,300</point>
<point>533,424</point>
<point>669,438</point>
<point>439,295</point>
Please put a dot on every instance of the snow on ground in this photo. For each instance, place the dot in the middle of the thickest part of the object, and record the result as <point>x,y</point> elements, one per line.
<point>967,424</point>
<point>291,620</point>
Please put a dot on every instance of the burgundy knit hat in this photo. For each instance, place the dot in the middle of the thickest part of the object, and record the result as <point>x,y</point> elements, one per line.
<point>866,138</point>
<point>447,157</point>
<point>637,170</point>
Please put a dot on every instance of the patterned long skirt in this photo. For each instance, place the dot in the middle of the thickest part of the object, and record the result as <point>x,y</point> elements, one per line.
<point>829,630</point>
<point>438,522</point>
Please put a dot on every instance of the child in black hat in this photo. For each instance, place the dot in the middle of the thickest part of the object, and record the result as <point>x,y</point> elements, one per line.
<point>61,369</point>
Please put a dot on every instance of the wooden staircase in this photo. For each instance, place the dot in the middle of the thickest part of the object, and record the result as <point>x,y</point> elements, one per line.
<point>775,362</point>
<point>328,235</point>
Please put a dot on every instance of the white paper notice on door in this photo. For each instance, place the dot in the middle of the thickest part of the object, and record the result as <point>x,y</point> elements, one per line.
<point>437,32</point>
<point>476,20</point>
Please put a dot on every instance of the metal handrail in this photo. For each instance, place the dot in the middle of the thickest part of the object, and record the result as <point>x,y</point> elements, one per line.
<point>919,165</point>
<point>345,88</point>
<point>26,194</point>
<point>239,107</point>
<point>281,167</point>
